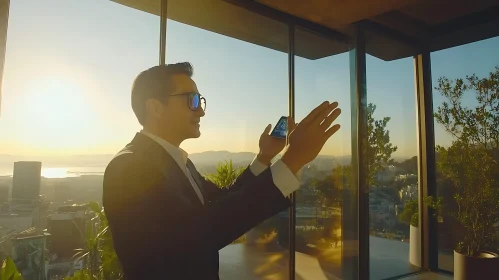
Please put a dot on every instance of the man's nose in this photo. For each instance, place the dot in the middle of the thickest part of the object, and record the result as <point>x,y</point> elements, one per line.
<point>200,112</point>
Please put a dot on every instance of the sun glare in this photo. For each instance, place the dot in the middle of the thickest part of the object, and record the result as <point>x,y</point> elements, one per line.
<point>55,113</point>
<point>55,103</point>
<point>54,173</point>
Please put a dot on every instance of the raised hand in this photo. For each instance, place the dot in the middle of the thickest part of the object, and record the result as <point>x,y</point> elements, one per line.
<point>269,146</point>
<point>306,140</point>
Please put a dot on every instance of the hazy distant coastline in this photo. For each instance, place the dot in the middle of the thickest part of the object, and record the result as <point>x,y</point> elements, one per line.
<point>76,165</point>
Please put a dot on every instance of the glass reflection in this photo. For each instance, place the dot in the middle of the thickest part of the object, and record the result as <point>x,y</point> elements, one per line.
<point>466,99</point>
<point>247,88</point>
<point>394,242</point>
<point>319,202</point>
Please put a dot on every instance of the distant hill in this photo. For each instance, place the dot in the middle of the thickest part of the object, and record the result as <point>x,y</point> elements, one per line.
<point>54,161</point>
<point>213,157</point>
<point>204,161</point>
<point>409,165</point>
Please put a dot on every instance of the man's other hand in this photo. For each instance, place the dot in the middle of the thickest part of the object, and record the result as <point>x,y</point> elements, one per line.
<point>306,140</point>
<point>269,146</point>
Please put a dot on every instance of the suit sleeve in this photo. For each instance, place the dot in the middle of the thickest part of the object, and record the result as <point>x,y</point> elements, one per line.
<point>282,177</point>
<point>142,204</point>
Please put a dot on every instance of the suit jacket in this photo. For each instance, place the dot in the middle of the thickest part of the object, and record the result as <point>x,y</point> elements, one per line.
<point>160,228</point>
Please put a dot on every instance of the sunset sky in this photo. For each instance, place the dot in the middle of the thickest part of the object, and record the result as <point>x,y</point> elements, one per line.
<point>70,65</point>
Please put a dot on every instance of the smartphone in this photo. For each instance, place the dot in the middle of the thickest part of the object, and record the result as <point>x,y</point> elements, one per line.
<point>281,128</point>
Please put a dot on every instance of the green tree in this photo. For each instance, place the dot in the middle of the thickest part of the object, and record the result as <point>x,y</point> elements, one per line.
<point>226,174</point>
<point>410,214</point>
<point>8,270</point>
<point>471,161</point>
<point>100,260</point>
<point>328,190</point>
<point>379,152</point>
<point>342,176</point>
<point>379,147</point>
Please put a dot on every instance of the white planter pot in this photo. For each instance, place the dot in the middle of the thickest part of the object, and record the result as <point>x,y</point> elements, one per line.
<point>415,246</point>
<point>484,266</point>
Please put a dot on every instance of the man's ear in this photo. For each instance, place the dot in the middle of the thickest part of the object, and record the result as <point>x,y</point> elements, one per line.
<point>154,107</point>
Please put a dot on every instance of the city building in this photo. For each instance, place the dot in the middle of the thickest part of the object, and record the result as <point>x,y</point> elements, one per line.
<point>15,222</point>
<point>4,193</point>
<point>28,250</point>
<point>67,228</point>
<point>26,182</point>
<point>4,197</point>
<point>30,254</point>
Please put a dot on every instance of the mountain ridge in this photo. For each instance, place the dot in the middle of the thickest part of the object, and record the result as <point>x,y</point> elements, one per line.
<point>201,157</point>
<point>207,157</point>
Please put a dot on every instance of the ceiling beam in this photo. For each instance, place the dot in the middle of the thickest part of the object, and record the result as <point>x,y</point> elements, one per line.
<point>474,19</point>
<point>275,14</point>
<point>405,24</point>
<point>464,30</point>
<point>393,34</point>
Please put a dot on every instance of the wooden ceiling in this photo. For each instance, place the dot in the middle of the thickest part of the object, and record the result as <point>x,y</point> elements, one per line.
<point>394,28</point>
<point>230,20</point>
<point>433,12</point>
<point>336,14</point>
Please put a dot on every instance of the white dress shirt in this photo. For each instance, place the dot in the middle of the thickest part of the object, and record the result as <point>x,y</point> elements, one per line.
<point>283,178</point>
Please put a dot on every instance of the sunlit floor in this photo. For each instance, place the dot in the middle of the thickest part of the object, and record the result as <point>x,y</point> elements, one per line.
<point>389,258</point>
<point>428,276</point>
<point>250,262</point>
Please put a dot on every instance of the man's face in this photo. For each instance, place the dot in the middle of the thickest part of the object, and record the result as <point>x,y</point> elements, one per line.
<point>177,118</point>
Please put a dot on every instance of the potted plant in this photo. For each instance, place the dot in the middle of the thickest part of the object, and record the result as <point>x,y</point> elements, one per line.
<point>476,194</point>
<point>471,164</point>
<point>410,215</point>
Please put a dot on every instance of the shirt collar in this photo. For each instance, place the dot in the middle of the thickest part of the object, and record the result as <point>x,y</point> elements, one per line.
<point>178,154</point>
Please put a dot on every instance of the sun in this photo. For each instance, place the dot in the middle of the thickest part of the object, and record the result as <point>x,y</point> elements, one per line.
<point>56,103</point>
<point>55,112</point>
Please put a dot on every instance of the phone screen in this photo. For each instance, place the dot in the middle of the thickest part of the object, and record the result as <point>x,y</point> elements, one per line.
<point>281,128</point>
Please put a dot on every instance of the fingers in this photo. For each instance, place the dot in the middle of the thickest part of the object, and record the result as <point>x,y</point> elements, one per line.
<point>325,113</point>
<point>267,129</point>
<point>331,131</point>
<point>331,118</point>
<point>315,112</point>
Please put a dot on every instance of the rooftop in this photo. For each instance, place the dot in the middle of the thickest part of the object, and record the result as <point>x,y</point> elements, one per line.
<point>394,29</point>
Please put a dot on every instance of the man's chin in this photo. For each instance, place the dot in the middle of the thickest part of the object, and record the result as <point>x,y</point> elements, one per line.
<point>195,134</point>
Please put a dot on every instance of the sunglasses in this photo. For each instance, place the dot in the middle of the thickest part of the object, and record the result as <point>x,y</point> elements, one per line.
<point>194,100</point>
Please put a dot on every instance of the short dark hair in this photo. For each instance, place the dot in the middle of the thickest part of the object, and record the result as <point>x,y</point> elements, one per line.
<point>155,82</point>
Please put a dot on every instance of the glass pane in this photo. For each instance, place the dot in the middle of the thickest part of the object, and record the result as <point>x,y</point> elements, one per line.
<point>66,103</point>
<point>392,160</point>
<point>466,102</point>
<point>246,87</point>
<point>319,203</point>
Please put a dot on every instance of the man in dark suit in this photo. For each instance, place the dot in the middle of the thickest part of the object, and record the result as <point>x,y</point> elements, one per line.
<point>167,221</point>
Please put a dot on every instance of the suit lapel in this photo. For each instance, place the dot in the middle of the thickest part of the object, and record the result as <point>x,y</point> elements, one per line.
<point>153,152</point>
<point>196,176</point>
